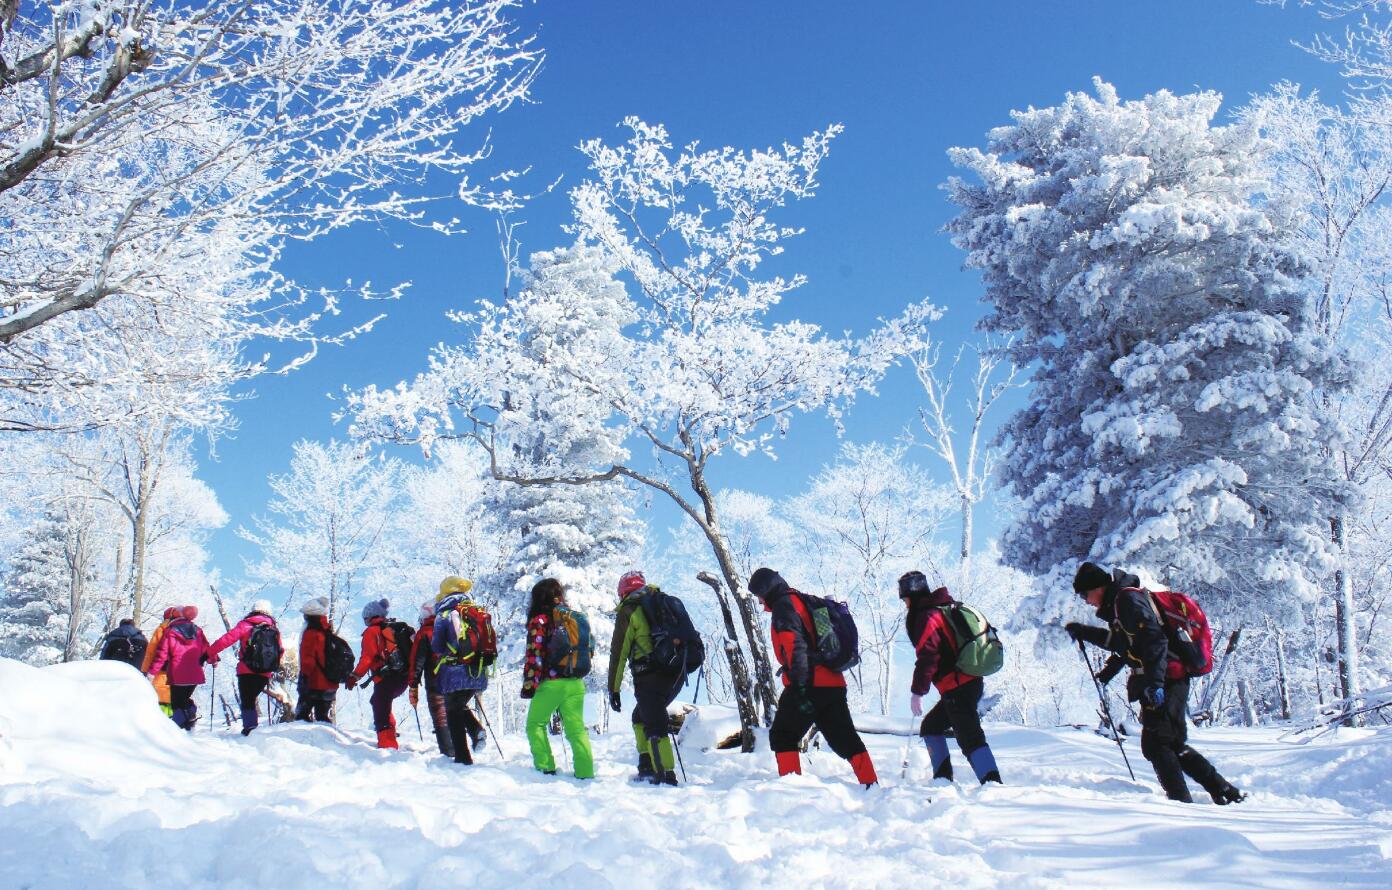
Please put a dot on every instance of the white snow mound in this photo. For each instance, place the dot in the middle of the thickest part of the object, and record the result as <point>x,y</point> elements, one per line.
<point>97,788</point>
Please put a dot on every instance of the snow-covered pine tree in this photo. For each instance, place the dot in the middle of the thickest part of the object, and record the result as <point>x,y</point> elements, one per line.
<point>47,576</point>
<point>1174,421</point>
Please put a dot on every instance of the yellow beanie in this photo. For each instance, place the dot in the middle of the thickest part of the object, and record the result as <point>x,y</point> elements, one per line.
<point>454,584</point>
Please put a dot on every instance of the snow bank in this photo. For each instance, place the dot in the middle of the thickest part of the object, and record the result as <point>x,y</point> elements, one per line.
<point>96,788</point>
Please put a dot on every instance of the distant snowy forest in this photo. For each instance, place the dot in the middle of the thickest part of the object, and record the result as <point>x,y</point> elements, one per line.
<point>1191,299</point>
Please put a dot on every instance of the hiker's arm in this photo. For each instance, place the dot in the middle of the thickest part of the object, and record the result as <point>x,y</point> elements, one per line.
<point>927,654</point>
<point>619,647</point>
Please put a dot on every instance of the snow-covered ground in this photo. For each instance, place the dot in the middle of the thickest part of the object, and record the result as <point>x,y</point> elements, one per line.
<point>98,789</point>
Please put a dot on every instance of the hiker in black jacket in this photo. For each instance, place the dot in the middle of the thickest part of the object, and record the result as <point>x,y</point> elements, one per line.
<point>1136,638</point>
<point>125,643</point>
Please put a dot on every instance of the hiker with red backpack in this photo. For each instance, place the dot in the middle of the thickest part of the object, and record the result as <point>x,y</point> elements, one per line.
<point>559,649</point>
<point>936,650</point>
<point>182,652</point>
<point>462,649</point>
<point>423,670</point>
<point>386,654</point>
<point>1162,657</point>
<point>316,691</point>
<point>658,673</point>
<point>814,691</point>
<point>259,651</point>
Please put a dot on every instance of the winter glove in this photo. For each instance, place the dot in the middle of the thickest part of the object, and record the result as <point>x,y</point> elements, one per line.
<point>414,696</point>
<point>804,704</point>
<point>1109,671</point>
<point>1078,632</point>
<point>1153,697</point>
<point>616,702</point>
<point>528,691</point>
<point>352,681</point>
<point>916,705</point>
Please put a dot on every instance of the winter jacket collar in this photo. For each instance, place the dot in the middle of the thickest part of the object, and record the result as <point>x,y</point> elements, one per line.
<point>931,600</point>
<point>1120,581</point>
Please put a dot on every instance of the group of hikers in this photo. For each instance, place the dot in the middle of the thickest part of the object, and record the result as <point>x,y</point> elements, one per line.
<point>1161,636</point>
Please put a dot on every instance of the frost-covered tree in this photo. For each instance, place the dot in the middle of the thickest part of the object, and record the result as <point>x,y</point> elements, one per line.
<point>1175,419</point>
<point>700,372</point>
<point>42,607</point>
<point>157,158</point>
<point>326,529</point>
<point>1329,172</point>
<point>864,521</point>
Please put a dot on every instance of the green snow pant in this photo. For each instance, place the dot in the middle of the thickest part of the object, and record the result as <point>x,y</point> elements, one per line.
<point>568,697</point>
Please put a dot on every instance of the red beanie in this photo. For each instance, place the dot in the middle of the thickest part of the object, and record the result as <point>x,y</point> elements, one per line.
<point>190,612</point>
<point>171,612</point>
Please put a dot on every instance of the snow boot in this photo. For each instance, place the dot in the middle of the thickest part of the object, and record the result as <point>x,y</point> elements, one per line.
<point>864,769</point>
<point>645,769</point>
<point>1226,795</point>
<point>250,720</point>
<point>983,763</point>
<point>477,738</point>
<point>937,753</point>
<point>788,763</point>
<point>386,738</point>
<point>1197,767</point>
<point>667,778</point>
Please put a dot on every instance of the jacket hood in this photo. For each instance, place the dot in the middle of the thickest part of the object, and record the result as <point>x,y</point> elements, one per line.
<point>1121,580</point>
<point>931,599</point>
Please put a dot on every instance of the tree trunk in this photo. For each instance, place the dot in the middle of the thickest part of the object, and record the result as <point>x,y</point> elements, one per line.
<point>739,671</point>
<point>1344,617</point>
<point>138,561</point>
<point>966,529</point>
<point>1244,695</point>
<point>77,592</point>
<point>1282,675</point>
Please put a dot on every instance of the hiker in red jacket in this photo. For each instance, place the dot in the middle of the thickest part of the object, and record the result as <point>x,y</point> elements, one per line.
<point>379,642</point>
<point>249,683</point>
<point>959,693</point>
<point>317,691</point>
<point>812,693</point>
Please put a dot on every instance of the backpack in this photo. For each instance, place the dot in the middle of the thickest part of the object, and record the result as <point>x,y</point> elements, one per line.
<point>836,641</point>
<point>1186,631</point>
<point>262,651</point>
<point>338,658</point>
<point>396,639</point>
<point>980,652</point>
<point>130,649</point>
<point>475,639</point>
<point>677,646</point>
<point>570,646</point>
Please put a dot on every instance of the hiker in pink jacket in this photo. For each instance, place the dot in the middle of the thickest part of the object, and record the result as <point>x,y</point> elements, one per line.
<point>251,682</point>
<point>182,652</point>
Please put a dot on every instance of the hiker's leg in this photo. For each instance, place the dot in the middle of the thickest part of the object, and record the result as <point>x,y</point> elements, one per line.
<point>1162,738</point>
<point>573,719</point>
<point>439,719</point>
<point>544,704</point>
<point>249,686</point>
<point>832,714</point>
<point>933,730</point>
<point>963,704</point>
<point>790,724</point>
<point>456,706</point>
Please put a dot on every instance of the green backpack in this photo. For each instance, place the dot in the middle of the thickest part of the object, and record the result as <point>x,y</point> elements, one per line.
<point>980,652</point>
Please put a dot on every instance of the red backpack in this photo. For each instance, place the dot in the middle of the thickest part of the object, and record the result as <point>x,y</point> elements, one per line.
<point>1187,632</point>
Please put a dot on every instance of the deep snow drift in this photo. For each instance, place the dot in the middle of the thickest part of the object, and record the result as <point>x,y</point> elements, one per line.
<point>97,788</point>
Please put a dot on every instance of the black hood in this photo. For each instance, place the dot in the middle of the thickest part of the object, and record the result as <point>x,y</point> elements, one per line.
<point>1121,579</point>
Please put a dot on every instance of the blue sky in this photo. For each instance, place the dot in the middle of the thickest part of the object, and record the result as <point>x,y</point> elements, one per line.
<point>907,79</point>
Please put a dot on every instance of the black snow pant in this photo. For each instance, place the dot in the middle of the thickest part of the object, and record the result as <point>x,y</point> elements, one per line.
<point>830,713</point>
<point>248,687</point>
<point>956,709</point>
<point>462,722</point>
<point>184,711</point>
<point>1164,742</point>
<point>652,693</point>
<point>314,705</point>
<point>439,718</point>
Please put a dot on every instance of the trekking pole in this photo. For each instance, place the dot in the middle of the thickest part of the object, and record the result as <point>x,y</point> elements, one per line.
<point>1106,711</point>
<point>676,749</point>
<point>701,672</point>
<point>908,740</point>
<point>496,743</point>
<point>212,690</point>
<point>420,732</point>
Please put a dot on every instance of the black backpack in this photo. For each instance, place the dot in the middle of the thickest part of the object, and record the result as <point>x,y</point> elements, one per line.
<point>338,658</point>
<point>677,645</point>
<point>128,648</point>
<point>262,651</point>
<point>398,656</point>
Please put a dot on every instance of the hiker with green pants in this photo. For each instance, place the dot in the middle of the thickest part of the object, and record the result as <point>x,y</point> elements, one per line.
<point>559,649</point>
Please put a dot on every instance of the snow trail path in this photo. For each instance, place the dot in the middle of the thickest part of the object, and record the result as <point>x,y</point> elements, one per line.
<point>98,789</point>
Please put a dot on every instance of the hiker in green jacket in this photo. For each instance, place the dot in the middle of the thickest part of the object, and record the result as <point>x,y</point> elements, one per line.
<point>654,689</point>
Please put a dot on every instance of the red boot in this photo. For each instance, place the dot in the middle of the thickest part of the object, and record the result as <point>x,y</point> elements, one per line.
<point>864,769</point>
<point>788,762</point>
<point>386,738</point>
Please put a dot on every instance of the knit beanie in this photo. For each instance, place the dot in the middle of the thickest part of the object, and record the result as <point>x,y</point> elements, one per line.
<point>317,606</point>
<point>262,606</point>
<point>631,581</point>
<point>171,613</point>
<point>427,610</point>
<point>375,609</point>
<point>191,613</point>
<point>766,582</point>
<point>912,584</point>
<point>1090,576</point>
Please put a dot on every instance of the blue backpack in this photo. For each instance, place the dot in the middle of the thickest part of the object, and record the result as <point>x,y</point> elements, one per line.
<point>570,647</point>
